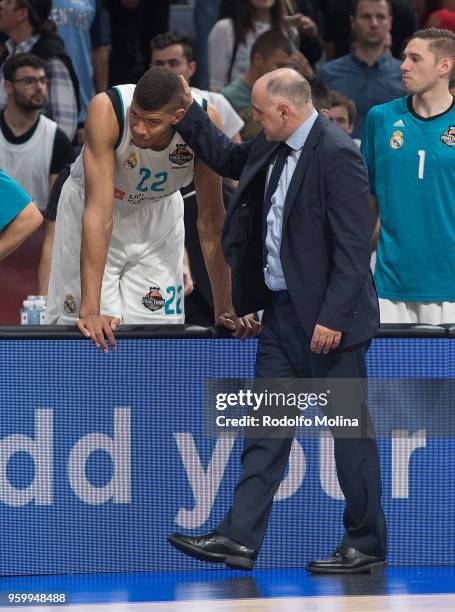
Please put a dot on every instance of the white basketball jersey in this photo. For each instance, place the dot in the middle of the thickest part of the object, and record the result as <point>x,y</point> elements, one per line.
<point>144,176</point>
<point>29,162</point>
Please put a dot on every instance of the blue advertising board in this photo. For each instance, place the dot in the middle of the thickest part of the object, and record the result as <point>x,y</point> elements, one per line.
<point>102,456</point>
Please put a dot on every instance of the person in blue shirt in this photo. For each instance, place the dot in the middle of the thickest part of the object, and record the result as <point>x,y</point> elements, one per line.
<point>409,149</point>
<point>19,216</point>
<point>368,75</point>
<point>83,26</point>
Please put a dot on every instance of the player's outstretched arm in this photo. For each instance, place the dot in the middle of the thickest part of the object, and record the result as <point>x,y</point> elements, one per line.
<point>101,134</point>
<point>210,226</point>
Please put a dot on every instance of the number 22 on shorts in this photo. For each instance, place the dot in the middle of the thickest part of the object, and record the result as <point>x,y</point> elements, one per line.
<point>174,300</point>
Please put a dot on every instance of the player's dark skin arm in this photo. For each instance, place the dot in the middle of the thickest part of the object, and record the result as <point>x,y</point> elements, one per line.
<point>101,134</point>
<point>210,226</point>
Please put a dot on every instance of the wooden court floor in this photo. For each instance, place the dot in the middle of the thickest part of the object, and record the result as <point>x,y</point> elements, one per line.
<point>363,603</point>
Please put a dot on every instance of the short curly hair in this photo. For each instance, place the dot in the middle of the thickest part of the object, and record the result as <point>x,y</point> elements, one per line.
<point>157,89</point>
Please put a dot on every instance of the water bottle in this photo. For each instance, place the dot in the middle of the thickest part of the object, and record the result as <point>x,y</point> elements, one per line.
<point>33,310</point>
<point>28,313</point>
<point>40,305</point>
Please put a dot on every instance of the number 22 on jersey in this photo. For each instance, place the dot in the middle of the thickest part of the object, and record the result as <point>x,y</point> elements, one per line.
<point>154,185</point>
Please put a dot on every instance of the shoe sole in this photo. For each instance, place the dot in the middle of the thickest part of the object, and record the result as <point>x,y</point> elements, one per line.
<point>231,561</point>
<point>373,568</point>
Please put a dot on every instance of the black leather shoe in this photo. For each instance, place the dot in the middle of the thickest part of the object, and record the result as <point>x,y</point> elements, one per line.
<point>215,548</point>
<point>346,560</point>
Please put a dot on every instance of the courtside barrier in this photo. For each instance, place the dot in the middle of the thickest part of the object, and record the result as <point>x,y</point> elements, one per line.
<point>101,456</point>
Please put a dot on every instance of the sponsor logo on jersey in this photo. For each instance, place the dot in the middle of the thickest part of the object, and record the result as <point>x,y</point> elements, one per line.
<point>131,162</point>
<point>448,137</point>
<point>69,305</point>
<point>396,140</point>
<point>399,123</point>
<point>181,155</point>
<point>118,193</point>
<point>153,300</point>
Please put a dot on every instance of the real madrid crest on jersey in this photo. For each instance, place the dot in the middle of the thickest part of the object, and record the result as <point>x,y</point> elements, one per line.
<point>181,155</point>
<point>69,304</point>
<point>448,137</point>
<point>153,300</point>
<point>396,140</point>
<point>131,162</point>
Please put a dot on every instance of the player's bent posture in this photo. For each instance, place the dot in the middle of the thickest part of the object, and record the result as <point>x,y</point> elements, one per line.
<point>118,251</point>
<point>409,149</point>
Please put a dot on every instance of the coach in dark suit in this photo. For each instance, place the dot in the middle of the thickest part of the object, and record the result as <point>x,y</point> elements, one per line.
<point>297,237</point>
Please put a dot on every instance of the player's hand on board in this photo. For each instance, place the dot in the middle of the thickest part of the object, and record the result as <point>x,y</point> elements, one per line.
<point>99,328</point>
<point>187,97</point>
<point>241,327</point>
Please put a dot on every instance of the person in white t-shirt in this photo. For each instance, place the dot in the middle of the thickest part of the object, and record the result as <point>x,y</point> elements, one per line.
<point>231,38</point>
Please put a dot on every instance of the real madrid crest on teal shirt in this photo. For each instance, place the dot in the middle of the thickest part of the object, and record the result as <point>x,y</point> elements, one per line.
<point>411,167</point>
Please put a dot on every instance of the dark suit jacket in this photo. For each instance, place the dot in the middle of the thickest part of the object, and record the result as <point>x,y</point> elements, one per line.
<point>327,225</point>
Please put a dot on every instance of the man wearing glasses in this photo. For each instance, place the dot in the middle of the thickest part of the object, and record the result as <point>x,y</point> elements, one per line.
<point>33,149</point>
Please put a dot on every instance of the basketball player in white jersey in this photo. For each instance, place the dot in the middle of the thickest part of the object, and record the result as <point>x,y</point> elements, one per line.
<point>118,251</point>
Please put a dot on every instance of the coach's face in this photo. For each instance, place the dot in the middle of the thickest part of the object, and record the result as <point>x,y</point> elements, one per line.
<point>267,113</point>
<point>153,129</point>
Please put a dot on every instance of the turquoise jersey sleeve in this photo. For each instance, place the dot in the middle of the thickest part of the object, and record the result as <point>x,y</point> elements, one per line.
<point>367,148</point>
<point>13,199</point>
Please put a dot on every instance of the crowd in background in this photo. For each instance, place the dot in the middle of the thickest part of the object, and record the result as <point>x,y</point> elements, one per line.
<point>55,55</point>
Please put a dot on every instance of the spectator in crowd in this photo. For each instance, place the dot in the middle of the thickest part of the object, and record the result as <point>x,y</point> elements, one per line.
<point>321,96</point>
<point>19,216</point>
<point>206,15</point>
<point>173,51</point>
<point>444,17</point>
<point>83,27</point>
<point>232,38</point>
<point>30,31</point>
<point>343,112</point>
<point>337,26</point>
<point>408,146</point>
<point>126,60</point>
<point>369,74</point>
<point>33,149</point>
<point>270,51</point>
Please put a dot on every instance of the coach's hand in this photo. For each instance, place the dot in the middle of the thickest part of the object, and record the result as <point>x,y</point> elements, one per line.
<point>187,97</point>
<point>241,327</point>
<point>99,328</point>
<point>325,339</point>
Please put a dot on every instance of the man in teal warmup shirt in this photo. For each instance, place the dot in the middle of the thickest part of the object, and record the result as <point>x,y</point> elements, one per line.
<point>409,149</point>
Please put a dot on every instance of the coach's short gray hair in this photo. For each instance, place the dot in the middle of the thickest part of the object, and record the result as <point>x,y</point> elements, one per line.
<point>292,86</point>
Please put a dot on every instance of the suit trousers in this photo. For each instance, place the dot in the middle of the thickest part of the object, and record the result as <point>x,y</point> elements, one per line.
<point>284,352</point>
